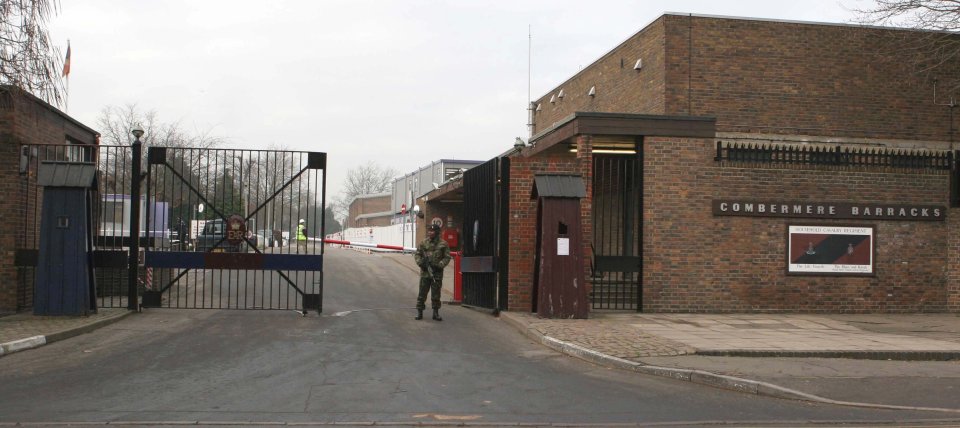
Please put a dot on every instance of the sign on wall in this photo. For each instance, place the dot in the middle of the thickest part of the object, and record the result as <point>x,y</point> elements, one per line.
<point>829,210</point>
<point>830,250</point>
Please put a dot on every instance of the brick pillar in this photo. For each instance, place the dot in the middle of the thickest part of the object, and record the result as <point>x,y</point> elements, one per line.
<point>585,160</point>
<point>953,260</point>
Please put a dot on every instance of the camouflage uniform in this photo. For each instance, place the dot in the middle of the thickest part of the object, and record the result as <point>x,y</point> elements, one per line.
<point>432,256</point>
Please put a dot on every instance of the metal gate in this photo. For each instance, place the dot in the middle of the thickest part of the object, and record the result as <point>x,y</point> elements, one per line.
<point>235,215</point>
<point>179,261</point>
<point>110,255</point>
<point>486,191</point>
<point>617,231</point>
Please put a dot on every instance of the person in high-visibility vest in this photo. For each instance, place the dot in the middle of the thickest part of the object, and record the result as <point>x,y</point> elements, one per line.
<point>302,236</point>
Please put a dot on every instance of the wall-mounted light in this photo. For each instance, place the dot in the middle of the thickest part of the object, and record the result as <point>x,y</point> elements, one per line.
<point>539,107</point>
<point>553,99</point>
<point>519,144</point>
<point>593,91</point>
<point>638,65</point>
<point>560,95</point>
<point>610,149</point>
<point>24,159</point>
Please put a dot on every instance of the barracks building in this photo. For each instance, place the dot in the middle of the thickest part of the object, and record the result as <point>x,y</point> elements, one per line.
<point>715,164</point>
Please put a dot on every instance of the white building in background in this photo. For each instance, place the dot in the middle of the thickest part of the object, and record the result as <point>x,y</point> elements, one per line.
<point>409,187</point>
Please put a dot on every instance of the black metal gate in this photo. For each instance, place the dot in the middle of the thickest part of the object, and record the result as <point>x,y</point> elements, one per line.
<point>486,191</point>
<point>240,250</point>
<point>185,257</point>
<point>617,231</point>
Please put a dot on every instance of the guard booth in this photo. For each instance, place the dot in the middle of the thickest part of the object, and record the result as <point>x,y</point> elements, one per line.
<point>64,276</point>
<point>559,279</point>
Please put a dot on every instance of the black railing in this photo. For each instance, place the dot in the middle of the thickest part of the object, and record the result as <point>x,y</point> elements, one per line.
<point>790,154</point>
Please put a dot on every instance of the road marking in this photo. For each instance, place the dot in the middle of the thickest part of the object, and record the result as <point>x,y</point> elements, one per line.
<point>448,417</point>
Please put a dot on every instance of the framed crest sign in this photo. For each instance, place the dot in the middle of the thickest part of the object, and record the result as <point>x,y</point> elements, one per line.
<point>830,250</point>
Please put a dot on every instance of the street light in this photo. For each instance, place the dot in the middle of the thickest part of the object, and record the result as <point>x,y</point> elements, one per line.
<point>133,261</point>
<point>137,132</point>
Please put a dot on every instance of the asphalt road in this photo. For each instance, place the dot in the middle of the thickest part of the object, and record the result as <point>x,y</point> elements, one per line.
<point>363,360</point>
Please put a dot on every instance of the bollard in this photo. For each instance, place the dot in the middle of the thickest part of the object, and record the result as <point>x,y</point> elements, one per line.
<point>457,277</point>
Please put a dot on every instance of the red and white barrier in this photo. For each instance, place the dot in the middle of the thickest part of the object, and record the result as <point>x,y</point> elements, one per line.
<point>369,245</point>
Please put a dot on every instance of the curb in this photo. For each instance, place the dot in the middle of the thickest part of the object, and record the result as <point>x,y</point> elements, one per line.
<point>856,355</point>
<point>37,341</point>
<point>696,376</point>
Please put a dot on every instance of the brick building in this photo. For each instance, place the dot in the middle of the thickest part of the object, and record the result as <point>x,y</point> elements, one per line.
<point>370,210</point>
<point>27,120</point>
<point>745,165</point>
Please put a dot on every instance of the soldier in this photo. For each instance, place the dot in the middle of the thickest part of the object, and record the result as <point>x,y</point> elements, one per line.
<point>432,256</point>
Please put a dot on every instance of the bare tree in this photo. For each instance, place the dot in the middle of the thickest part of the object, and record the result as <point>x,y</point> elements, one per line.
<point>116,122</point>
<point>934,53</point>
<point>366,179</point>
<point>28,61</point>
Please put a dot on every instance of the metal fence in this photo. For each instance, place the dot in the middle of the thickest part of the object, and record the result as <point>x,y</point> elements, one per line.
<point>109,257</point>
<point>793,154</point>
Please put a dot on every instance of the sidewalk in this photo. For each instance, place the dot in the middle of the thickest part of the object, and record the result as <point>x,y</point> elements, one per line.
<point>879,361</point>
<point>19,332</point>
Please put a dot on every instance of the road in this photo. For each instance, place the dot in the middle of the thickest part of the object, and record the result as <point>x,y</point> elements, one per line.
<point>363,360</point>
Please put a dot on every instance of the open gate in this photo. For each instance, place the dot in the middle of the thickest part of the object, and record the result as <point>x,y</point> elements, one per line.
<point>485,234</point>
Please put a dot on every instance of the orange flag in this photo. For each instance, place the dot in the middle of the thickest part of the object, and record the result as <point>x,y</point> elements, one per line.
<point>66,62</point>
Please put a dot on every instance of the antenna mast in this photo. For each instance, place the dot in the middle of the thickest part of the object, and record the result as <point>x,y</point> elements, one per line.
<point>529,67</point>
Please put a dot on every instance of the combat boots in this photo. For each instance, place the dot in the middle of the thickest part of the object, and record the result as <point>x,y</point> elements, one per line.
<point>419,314</point>
<point>436,315</point>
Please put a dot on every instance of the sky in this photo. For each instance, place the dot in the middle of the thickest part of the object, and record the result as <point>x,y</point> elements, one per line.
<point>398,83</point>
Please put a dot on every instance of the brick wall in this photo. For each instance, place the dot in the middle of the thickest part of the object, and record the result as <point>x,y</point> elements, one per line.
<point>763,76</point>
<point>10,209</point>
<point>619,87</point>
<point>953,261</point>
<point>368,205</point>
<point>695,262</point>
<point>523,216</point>
<point>24,120</point>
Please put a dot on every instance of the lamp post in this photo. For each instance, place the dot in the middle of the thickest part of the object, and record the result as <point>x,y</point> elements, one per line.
<point>413,232</point>
<point>133,262</point>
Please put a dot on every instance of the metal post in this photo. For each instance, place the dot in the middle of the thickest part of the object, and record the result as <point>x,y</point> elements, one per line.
<point>133,264</point>
<point>457,277</point>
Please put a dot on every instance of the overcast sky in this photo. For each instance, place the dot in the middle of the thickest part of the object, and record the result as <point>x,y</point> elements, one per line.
<point>401,83</point>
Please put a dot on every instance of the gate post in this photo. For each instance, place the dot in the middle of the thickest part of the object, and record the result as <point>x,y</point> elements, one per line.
<point>133,264</point>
